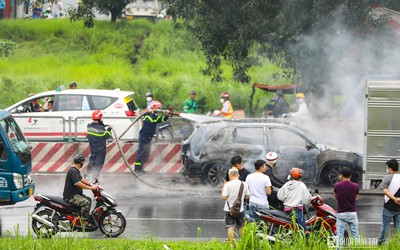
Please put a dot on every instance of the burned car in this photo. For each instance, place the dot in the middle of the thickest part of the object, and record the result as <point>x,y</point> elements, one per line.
<point>207,152</point>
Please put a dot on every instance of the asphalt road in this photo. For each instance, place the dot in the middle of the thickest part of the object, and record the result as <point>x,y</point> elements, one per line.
<point>174,211</point>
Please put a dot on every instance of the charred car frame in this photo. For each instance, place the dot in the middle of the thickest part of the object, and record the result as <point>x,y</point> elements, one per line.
<point>207,152</point>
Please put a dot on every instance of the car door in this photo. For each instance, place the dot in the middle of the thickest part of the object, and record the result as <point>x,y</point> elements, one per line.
<point>248,142</point>
<point>39,123</point>
<point>77,112</point>
<point>293,151</point>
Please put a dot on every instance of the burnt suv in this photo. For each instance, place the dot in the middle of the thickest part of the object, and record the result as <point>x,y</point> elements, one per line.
<point>207,152</point>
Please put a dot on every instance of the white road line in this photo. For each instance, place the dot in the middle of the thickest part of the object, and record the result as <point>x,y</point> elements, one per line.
<point>175,219</point>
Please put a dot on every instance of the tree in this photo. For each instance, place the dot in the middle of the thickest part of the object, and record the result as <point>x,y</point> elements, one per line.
<point>86,9</point>
<point>316,42</point>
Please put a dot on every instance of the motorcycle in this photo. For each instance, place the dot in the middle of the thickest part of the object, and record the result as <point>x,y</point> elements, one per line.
<point>164,132</point>
<point>281,225</point>
<point>52,215</point>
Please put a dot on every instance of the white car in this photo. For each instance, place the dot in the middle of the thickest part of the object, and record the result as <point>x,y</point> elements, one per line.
<point>71,111</point>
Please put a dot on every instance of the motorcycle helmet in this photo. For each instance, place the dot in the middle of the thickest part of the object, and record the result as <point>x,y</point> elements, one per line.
<point>149,94</point>
<point>271,157</point>
<point>224,95</point>
<point>279,92</point>
<point>156,105</point>
<point>79,159</point>
<point>296,173</point>
<point>97,115</point>
<point>300,95</point>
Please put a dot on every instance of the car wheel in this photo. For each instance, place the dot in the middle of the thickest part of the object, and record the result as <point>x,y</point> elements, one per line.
<point>215,173</point>
<point>331,174</point>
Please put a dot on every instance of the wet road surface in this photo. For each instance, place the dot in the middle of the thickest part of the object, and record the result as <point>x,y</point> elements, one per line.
<point>169,212</point>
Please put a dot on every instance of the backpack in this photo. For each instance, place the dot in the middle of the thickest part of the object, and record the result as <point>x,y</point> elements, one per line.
<point>234,210</point>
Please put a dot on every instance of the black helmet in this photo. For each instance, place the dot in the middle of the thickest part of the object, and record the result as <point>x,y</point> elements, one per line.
<point>72,84</point>
<point>149,94</point>
<point>79,159</point>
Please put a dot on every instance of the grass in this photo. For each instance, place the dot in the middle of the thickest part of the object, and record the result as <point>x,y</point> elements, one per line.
<point>137,55</point>
<point>249,240</point>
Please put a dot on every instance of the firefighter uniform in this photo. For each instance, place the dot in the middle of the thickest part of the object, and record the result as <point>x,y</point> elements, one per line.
<point>97,135</point>
<point>150,121</point>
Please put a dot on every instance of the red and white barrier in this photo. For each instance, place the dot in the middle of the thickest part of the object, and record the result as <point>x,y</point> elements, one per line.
<point>57,157</point>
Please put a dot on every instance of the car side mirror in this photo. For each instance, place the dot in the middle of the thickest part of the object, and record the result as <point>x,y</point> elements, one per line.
<point>309,146</point>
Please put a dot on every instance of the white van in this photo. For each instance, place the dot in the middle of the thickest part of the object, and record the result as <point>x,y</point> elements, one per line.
<point>71,111</point>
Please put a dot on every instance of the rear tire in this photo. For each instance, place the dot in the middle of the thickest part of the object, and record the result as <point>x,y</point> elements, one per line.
<point>112,225</point>
<point>40,229</point>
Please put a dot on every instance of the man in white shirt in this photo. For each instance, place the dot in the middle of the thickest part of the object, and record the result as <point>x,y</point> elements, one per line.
<point>260,187</point>
<point>230,193</point>
<point>302,112</point>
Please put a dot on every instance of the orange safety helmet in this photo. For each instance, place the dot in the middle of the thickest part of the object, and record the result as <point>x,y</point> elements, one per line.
<point>97,115</point>
<point>296,173</point>
<point>224,95</point>
<point>156,105</point>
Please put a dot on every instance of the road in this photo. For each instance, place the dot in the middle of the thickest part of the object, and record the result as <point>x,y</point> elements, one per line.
<point>169,212</point>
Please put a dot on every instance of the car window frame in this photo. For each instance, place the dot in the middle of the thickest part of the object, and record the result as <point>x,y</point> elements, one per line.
<point>250,127</point>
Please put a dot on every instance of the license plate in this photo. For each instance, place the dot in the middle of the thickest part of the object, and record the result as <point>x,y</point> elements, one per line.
<point>31,191</point>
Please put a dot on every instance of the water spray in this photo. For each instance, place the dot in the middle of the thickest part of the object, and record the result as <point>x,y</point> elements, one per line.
<point>135,174</point>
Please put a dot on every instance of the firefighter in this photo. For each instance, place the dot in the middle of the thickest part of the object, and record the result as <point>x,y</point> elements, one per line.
<point>150,121</point>
<point>97,134</point>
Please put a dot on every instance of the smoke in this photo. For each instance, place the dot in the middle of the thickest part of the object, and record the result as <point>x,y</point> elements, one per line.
<point>348,60</point>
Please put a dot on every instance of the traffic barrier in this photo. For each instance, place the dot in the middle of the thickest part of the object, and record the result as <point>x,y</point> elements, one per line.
<point>56,157</point>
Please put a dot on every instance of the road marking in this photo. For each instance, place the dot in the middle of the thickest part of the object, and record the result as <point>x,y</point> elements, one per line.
<point>175,219</point>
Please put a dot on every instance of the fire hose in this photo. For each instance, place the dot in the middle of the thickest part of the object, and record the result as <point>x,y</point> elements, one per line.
<point>135,174</point>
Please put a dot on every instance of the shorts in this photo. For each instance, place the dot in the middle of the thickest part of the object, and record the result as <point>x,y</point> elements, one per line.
<point>233,221</point>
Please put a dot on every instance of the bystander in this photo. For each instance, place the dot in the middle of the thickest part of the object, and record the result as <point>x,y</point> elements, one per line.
<point>346,193</point>
<point>391,208</point>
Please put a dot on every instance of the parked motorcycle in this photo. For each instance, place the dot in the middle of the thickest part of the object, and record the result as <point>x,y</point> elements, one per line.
<point>164,132</point>
<point>279,222</point>
<point>52,214</point>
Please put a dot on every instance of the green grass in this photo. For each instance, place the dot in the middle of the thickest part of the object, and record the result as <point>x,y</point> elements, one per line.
<point>249,240</point>
<point>138,55</point>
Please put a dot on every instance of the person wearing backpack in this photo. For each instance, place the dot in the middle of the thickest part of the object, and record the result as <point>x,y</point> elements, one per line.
<point>230,193</point>
<point>391,208</point>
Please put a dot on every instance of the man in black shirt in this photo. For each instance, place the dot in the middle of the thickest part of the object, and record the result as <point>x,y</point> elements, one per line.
<point>272,158</point>
<point>74,185</point>
<point>237,162</point>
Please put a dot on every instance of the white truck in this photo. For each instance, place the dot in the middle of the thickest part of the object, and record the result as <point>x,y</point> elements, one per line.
<point>381,128</point>
<point>145,9</point>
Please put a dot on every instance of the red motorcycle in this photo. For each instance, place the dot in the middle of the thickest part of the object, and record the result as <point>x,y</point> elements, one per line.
<point>280,222</point>
<point>52,215</point>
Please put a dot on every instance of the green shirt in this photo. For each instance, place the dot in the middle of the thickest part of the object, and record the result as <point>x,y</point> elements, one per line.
<point>190,106</point>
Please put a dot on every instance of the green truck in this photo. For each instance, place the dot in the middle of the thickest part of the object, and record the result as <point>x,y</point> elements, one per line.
<point>16,184</point>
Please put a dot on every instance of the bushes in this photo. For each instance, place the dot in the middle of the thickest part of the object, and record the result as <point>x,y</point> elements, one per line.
<point>6,48</point>
<point>136,55</point>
